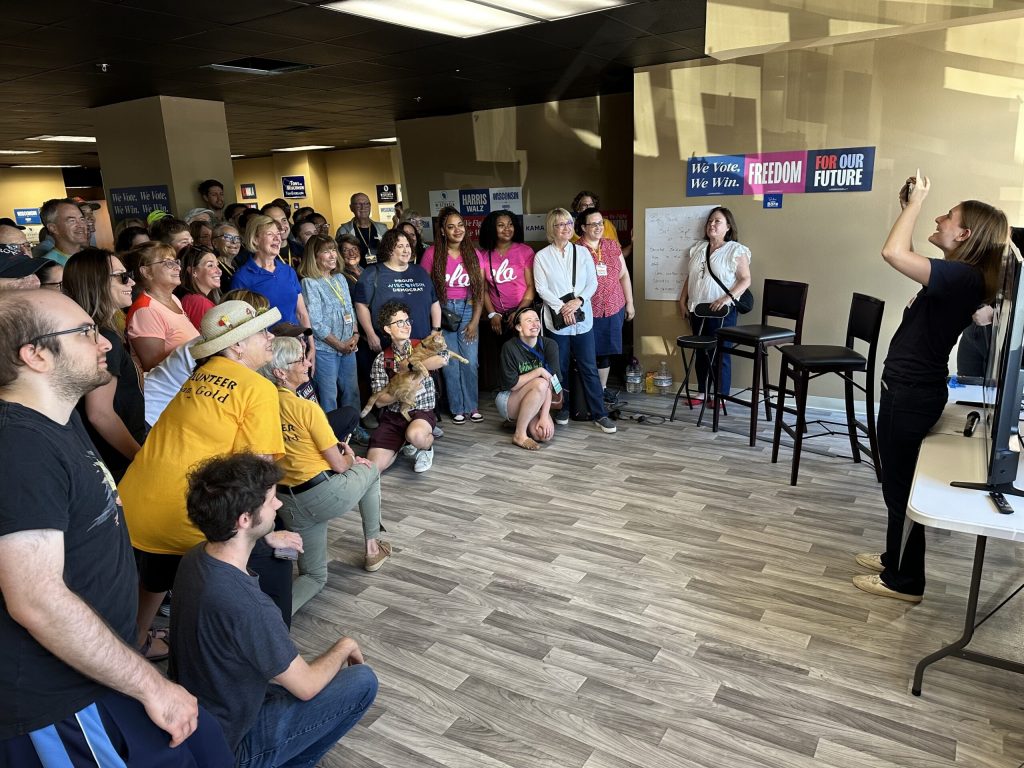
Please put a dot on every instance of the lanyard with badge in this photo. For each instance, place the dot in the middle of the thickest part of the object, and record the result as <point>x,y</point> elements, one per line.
<point>602,268</point>
<point>371,251</point>
<point>346,311</point>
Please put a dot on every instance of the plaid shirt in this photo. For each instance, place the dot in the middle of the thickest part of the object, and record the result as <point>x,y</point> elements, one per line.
<point>385,366</point>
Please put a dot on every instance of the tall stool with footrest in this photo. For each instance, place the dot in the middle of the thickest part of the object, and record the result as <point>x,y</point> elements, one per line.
<point>803,362</point>
<point>783,299</point>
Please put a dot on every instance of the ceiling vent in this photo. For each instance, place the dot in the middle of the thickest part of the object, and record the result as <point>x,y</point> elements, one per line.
<point>253,65</point>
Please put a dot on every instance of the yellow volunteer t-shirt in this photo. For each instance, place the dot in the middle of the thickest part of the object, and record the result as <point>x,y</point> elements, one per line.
<point>224,407</point>
<point>307,434</point>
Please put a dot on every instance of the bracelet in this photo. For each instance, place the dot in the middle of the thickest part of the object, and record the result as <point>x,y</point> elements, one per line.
<point>493,315</point>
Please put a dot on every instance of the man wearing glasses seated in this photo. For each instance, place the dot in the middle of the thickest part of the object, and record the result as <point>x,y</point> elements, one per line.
<point>393,434</point>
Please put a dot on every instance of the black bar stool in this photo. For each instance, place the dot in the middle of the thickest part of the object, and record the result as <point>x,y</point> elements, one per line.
<point>783,299</point>
<point>803,362</point>
<point>696,345</point>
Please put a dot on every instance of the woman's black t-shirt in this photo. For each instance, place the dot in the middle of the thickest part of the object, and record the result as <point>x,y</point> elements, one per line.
<point>932,322</point>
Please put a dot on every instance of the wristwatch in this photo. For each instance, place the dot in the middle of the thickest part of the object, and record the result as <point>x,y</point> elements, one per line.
<point>493,315</point>
<point>436,329</point>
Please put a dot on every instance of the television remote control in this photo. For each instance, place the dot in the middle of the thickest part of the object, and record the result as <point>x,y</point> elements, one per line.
<point>1002,505</point>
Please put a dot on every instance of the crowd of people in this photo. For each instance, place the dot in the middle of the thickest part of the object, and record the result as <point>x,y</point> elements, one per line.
<point>196,393</point>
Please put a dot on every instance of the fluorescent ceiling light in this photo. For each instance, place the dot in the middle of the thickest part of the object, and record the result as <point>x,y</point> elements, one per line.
<point>47,166</point>
<point>388,140</point>
<point>307,148</point>
<point>458,18</point>
<point>561,9</point>
<point>20,151</point>
<point>234,156</point>
<point>79,139</point>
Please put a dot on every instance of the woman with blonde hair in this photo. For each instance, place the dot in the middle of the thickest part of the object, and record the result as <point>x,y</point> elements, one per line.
<point>266,274</point>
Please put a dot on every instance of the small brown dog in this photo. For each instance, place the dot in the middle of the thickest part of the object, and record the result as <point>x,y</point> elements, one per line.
<point>405,384</point>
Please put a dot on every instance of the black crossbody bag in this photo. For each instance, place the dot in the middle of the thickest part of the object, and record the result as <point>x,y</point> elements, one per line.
<point>744,304</point>
<point>557,321</point>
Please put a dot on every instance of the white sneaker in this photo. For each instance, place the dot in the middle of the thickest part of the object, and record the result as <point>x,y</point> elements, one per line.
<point>408,450</point>
<point>424,460</point>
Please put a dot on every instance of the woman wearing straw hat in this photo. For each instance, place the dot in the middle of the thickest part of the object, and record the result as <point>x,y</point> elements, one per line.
<point>224,407</point>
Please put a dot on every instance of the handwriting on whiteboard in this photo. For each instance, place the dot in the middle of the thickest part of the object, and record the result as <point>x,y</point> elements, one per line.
<point>668,236</point>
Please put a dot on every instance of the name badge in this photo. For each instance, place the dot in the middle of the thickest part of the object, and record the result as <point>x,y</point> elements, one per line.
<point>347,317</point>
<point>371,258</point>
<point>602,270</point>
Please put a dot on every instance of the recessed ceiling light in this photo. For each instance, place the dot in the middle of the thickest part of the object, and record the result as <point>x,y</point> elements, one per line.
<point>20,151</point>
<point>79,139</point>
<point>46,166</point>
<point>254,65</point>
<point>388,140</point>
<point>307,148</point>
<point>468,18</point>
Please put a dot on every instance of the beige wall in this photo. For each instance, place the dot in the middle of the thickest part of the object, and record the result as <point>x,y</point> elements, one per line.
<point>28,188</point>
<point>947,102</point>
<point>358,170</point>
<point>551,150</point>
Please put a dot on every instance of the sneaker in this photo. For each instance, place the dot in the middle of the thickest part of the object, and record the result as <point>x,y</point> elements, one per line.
<point>458,418</point>
<point>438,432</point>
<point>606,425</point>
<point>424,460</point>
<point>562,417</point>
<point>870,560</point>
<point>408,450</point>
<point>874,585</point>
<point>165,606</point>
<point>476,417</point>
<point>360,436</point>
<point>374,562</point>
<point>611,397</point>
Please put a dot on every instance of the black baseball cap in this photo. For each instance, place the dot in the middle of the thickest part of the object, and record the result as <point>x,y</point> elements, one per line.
<point>20,265</point>
<point>6,222</point>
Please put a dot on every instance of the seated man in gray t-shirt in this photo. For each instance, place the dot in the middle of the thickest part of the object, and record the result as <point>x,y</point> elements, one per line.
<point>229,645</point>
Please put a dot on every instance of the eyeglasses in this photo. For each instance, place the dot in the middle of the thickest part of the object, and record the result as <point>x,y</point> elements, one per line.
<point>563,224</point>
<point>123,277</point>
<point>230,238</point>
<point>90,331</point>
<point>171,264</point>
<point>360,205</point>
<point>595,224</point>
<point>300,360</point>
<point>401,323</point>
<point>15,249</point>
<point>265,333</point>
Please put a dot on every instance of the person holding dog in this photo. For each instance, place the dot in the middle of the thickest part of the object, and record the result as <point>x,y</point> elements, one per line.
<point>323,478</point>
<point>529,381</point>
<point>414,437</point>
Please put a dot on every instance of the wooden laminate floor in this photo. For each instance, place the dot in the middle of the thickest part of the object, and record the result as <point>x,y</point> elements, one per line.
<point>659,597</point>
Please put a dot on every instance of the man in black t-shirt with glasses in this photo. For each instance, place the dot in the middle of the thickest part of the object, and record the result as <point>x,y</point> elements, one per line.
<point>75,692</point>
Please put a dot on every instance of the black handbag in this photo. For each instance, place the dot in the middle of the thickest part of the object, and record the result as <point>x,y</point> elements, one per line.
<point>557,321</point>
<point>450,320</point>
<point>745,303</point>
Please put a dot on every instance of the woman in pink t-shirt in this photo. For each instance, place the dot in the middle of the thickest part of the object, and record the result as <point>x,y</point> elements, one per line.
<point>460,287</point>
<point>156,323</point>
<point>200,282</point>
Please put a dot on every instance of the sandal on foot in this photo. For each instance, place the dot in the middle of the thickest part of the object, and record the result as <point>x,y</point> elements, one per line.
<point>528,444</point>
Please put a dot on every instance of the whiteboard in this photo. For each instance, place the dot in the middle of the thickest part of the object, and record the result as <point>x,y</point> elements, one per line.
<point>669,234</point>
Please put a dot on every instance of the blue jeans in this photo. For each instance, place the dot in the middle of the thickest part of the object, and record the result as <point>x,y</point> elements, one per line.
<point>461,380</point>
<point>581,347</point>
<point>335,375</point>
<point>290,733</point>
<point>706,326</point>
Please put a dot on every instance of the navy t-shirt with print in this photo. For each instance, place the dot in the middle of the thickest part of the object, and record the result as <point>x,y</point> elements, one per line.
<point>933,321</point>
<point>54,479</point>
<point>379,284</point>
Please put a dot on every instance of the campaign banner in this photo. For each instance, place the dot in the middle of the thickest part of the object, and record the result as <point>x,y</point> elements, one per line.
<point>27,216</point>
<point>441,198</point>
<point>815,170</point>
<point>840,170</point>
<point>717,175</point>
<point>293,186</point>
<point>248,191</point>
<point>533,228</point>
<point>774,172</point>
<point>138,202</point>
<point>474,202</point>
<point>507,199</point>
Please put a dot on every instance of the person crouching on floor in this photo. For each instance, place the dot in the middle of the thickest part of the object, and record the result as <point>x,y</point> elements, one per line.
<point>414,437</point>
<point>229,641</point>
<point>528,376</point>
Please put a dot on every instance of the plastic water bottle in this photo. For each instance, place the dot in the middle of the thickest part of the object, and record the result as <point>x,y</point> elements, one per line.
<point>663,380</point>
<point>634,377</point>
